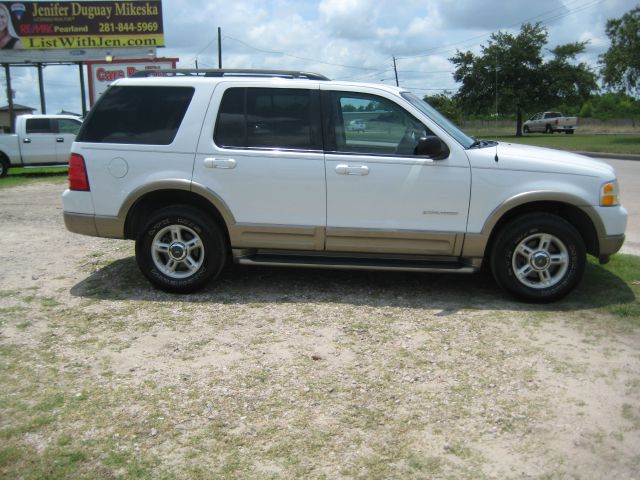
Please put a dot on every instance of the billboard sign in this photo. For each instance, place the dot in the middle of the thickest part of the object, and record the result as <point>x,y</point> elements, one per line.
<point>81,25</point>
<point>103,74</point>
<point>73,56</point>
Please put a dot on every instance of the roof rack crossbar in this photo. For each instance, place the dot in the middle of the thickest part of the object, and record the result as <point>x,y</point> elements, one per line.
<point>231,72</point>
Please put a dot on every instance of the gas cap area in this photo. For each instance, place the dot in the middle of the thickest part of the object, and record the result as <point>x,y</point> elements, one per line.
<point>118,167</point>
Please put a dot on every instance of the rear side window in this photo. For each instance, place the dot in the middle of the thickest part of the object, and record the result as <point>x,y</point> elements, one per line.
<point>269,118</point>
<point>230,129</point>
<point>39,125</point>
<point>66,125</point>
<point>137,115</point>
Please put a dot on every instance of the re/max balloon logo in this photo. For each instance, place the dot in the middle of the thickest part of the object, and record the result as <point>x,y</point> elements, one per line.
<point>18,10</point>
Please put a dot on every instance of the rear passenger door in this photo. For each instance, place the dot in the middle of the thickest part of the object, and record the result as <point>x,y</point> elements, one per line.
<point>66,134</point>
<point>261,153</point>
<point>38,145</point>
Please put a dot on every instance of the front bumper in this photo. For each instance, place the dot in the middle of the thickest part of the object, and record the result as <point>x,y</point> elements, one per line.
<point>610,245</point>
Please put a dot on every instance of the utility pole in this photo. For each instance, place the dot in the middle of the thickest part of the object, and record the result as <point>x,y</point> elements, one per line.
<point>83,95</point>
<point>219,48</point>
<point>43,103</point>
<point>396,71</point>
<point>12,118</point>
<point>496,89</point>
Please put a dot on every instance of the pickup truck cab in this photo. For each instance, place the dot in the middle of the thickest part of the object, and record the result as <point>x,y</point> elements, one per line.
<point>550,122</point>
<point>202,167</point>
<point>40,140</point>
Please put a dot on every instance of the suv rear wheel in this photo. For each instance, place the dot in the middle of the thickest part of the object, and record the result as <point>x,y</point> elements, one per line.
<point>538,257</point>
<point>180,249</point>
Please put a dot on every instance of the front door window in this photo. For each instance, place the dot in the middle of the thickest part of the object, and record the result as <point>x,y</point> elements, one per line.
<point>367,124</point>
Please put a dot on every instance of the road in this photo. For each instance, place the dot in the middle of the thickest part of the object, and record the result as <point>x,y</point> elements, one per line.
<point>629,178</point>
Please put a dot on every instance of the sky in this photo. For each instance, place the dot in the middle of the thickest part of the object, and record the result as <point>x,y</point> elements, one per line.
<point>353,40</point>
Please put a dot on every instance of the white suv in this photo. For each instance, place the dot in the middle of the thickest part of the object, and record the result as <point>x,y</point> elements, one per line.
<point>260,166</point>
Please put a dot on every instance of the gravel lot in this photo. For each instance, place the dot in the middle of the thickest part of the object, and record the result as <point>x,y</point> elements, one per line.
<point>298,373</point>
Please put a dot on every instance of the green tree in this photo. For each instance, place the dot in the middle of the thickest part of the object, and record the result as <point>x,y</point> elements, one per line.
<point>511,74</point>
<point>615,105</point>
<point>587,110</point>
<point>446,105</point>
<point>621,63</point>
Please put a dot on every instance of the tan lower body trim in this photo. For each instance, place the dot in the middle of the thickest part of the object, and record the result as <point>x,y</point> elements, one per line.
<point>110,227</point>
<point>80,223</point>
<point>93,225</point>
<point>610,245</point>
<point>407,242</point>
<point>474,245</point>
<point>276,237</point>
<point>393,241</point>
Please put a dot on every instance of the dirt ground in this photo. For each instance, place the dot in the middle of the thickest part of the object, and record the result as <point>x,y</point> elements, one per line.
<point>272,373</point>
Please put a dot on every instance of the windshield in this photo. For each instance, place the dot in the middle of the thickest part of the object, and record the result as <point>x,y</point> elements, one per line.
<point>465,140</point>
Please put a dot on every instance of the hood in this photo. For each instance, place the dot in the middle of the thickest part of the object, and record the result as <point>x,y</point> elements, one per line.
<point>538,159</point>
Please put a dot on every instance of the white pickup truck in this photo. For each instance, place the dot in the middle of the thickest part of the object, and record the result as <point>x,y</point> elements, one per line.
<point>39,140</point>
<point>550,122</point>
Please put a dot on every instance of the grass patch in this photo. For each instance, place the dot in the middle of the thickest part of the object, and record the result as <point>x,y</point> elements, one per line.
<point>623,143</point>
<point>121,381</point>
<point>616,285</point>
<point>24,176</point>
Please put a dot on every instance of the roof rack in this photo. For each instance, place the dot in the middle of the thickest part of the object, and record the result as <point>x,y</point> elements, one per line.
<point>231,73</point>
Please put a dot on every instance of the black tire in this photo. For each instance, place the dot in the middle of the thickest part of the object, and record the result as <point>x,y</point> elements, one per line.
<point>569,132</point>
<point>525,129</point>
<point>548,129</point>
<point>180,249</point>
<point>538,257</point>
<point>4,166</point>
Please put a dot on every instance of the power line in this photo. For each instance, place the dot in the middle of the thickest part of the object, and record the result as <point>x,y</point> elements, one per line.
<point>275,52</point>
<point>444,48</point>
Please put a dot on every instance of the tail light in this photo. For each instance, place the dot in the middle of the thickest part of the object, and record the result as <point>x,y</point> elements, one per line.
<point>556,121</point>
<point>78,179</point>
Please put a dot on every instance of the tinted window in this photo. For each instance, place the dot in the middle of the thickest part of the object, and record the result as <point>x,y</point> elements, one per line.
<point>278,118</point>
<point>269,118</point>
<point>66,125</point>
<point>137,115</point>
<point>39,125</point>
<point>370,124</point>
<point>230,128</point>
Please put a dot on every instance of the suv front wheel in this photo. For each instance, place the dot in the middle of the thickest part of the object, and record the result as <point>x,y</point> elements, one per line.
<point>538,257</point>
<point>180,249</point>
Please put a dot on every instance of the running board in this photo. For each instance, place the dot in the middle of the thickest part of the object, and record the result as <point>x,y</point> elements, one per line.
<point>312,261</point>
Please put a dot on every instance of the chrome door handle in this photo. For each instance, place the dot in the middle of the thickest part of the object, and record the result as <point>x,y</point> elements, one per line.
<point>343,169</point>
<point>226,163</point>
<point>60,139</point>
<point>27,140</point>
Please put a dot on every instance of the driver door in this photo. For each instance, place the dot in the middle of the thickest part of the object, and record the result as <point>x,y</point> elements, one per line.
<point>381,198</point>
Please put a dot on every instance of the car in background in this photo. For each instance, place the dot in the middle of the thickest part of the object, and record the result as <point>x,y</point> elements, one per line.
<point>357,126</point>
<point>550,122</point>
<point>39,140</point>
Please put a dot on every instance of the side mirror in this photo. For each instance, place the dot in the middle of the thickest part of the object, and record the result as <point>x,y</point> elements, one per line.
<point>432,147</point>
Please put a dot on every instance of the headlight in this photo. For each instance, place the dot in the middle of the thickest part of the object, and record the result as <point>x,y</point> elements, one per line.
<point>610,194</point>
